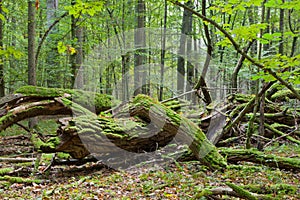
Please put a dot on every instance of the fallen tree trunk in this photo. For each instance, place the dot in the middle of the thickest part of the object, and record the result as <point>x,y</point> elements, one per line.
<point>140,127</point>
<point>250,155</point>
<point>149,127</point>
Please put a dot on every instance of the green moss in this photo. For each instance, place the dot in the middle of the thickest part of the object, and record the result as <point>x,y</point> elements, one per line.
<point>39,91</point>
<point>87,99</point>
<point>283,95</point>
<point>37,142</point>
<point>62,155</point>
<point>272,189</point>
<point>19,180</point>
<point>5,171</point>
<point>242,192</point>
<point>52,142</point>
<point>189,132</point>
<point>203,193</point>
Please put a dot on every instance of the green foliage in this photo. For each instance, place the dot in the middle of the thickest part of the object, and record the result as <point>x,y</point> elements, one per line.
<point>82,8</point>
<point>279,63</point>
<point>294,4</point>
<point>248,33</point>
<point>11,51</point>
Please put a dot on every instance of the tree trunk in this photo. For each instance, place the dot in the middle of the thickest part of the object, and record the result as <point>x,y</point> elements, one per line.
<point>76,59</point>
<point>140,70</point>
<point>2,85</point>
<point>52,60</point>
<point>31,51</point>
<point>163,52</point>
<point>281,29</point>
<point>139,128</point>
<point>31,43</point>
<point>201,84</point>
<point>185,30</point>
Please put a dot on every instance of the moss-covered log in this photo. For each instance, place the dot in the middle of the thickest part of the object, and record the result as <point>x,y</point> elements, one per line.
<point>141,126</point>
<point>283,95</point>
<point>31,101</point>
<point>149,127</point>
<point>90,100</point>
<point>251,155</point>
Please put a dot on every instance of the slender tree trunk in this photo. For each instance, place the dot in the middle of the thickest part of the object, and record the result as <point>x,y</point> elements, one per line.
<point>281,29</point>
<point>2,85</point>
<point>31,51</point>
<point>189,66</point>
<point>31,43</point>
<point>267,20</point>
<point>125,58</point>
<point>201,84</point>
<point>238,67</point>
<point>261,129</point>
<point>140,69</point>
<point>52,62</point>
<point>76,59</point>
<point>163,52</point>
<point>294,31</point>
<point>186,19</point>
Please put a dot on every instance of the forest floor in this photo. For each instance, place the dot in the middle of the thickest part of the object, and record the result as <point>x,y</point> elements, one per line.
<point>175,180</point>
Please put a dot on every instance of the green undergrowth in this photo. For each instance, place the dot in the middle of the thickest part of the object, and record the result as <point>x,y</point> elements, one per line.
<point>183,180</point>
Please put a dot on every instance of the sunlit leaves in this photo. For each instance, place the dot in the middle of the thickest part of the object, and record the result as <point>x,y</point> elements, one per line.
<point>81,8</point>
<point>232,6</point>
<point>293,4</point>
<point>4,10</point>
<point>248,33</point>
<point>11,51</point>
<point>279,63</point>
<point>65,48</point>
<point>61,47</point>
<point>224,43</point>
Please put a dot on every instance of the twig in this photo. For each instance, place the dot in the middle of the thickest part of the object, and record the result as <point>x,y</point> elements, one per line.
<point>277,139</point>
<point>51,163</point>
<point>16,160</point>
<point>24,127</point>
<point>45,36</point>
<point>176,97</point>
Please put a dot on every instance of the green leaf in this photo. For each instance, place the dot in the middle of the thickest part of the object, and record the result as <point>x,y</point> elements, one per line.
<point>2,18</point>
<point>61,47</point>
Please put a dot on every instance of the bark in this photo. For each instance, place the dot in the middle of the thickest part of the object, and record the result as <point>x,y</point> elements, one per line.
<point>16,160</point>
<point>140,69</point>
<point>185,29</point>
<point>2,85</point>
<point>250,155</point>
<point>139,127</point>
<point>163,52</point>
<point>143,126</point>
<point>147,134</point>
<point>201,84</point>
<point>31,51</point>
<point>52,61</point>
<point>31,43</point>
<point>77,58</point>
<point>238,67</point>
<point>281,29</point>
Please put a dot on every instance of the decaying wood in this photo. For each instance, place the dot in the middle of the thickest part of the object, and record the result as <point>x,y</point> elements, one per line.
<point>147,126</point>
<point>16,160</point>
<point>145,134</point>
<point>143,125</point>
<point>250,155</point>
